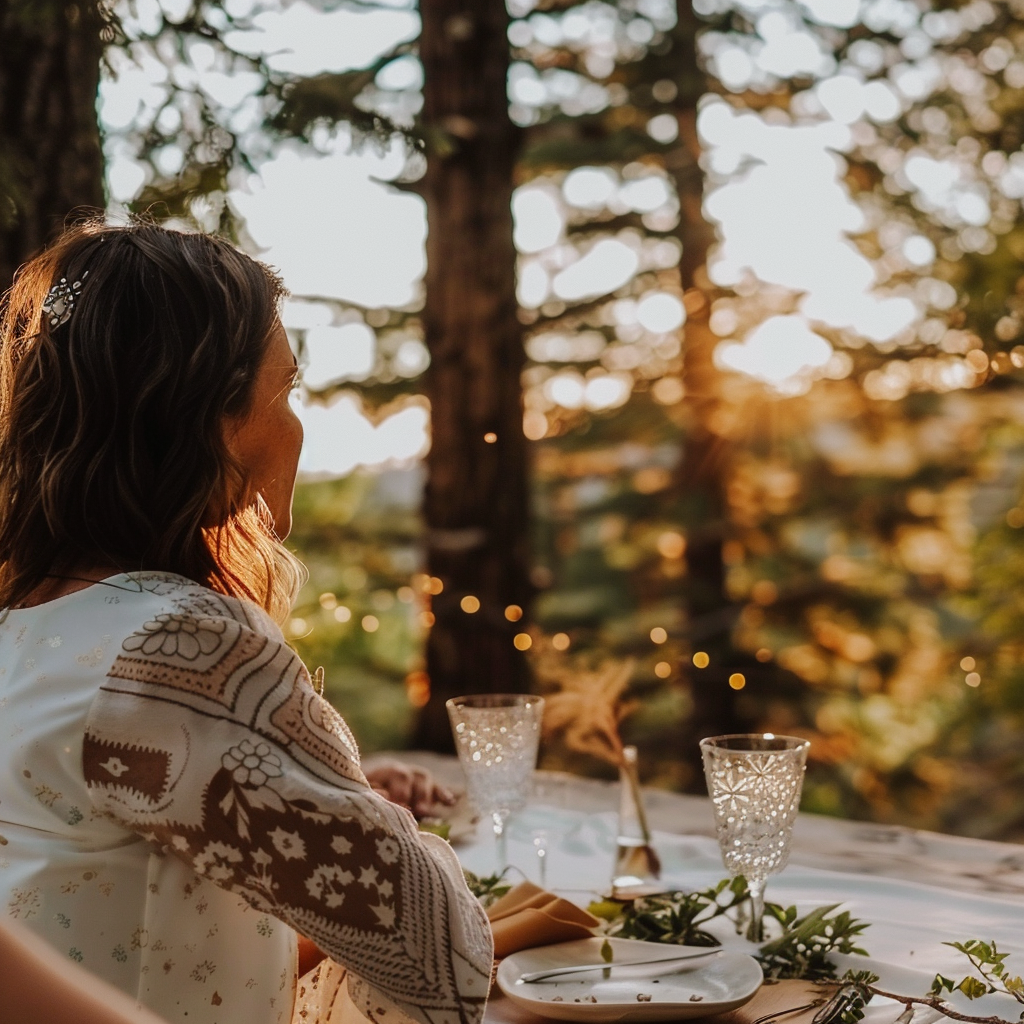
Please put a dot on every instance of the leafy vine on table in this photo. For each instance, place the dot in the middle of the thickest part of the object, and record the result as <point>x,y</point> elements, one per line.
<point>800,950</point>
<point>487,888</point>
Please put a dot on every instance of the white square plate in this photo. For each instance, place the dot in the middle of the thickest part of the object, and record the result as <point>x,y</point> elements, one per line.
<point>677,991</point>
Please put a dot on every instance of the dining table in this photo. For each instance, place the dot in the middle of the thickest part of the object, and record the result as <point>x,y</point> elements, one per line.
<point>917,890</point>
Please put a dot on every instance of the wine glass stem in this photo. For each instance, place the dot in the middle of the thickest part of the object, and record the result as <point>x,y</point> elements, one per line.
<point>754,931</point>
<point>501,840</point>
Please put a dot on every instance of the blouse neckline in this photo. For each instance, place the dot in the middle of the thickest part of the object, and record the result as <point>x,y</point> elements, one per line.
<point>57,601</point>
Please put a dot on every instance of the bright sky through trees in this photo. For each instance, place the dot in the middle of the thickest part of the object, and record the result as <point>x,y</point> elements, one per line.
<point>331,224</point>
<point>795,444</point>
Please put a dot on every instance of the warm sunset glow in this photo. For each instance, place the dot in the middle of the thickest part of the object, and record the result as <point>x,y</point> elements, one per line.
<point>775,191</point>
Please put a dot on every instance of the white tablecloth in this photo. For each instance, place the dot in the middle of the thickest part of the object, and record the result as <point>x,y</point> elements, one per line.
<point>917,889</point>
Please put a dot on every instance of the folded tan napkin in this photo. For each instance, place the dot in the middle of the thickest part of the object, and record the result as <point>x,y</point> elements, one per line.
<point>528,916</point>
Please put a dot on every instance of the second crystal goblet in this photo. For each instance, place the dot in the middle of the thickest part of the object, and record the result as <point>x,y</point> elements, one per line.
<point>496,736</point>
<point>754,781</point>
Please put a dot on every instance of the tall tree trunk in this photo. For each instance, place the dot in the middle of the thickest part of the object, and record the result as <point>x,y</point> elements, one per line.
<point>51,162</point>
<point>707,456</point>
<point>476,500</point>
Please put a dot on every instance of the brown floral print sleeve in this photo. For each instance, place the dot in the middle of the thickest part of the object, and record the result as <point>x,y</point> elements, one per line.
<point>208,739</point>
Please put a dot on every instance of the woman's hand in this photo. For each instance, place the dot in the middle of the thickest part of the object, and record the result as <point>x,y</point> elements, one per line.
<point>408,785</point>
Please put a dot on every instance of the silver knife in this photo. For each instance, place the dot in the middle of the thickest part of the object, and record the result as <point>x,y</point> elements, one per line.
<point>559,971</point>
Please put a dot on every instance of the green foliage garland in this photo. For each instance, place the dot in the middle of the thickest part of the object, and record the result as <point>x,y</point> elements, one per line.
<point>487,889</point>
<point>800,951</point>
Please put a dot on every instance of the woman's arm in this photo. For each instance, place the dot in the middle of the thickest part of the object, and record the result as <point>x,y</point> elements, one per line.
<point>39,987</point>
<point>208,738</point>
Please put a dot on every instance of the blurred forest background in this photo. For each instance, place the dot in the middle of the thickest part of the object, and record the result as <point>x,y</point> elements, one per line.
<point>721,332</point>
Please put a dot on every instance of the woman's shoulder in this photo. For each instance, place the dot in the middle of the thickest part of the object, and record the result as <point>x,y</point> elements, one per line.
<point>140,604</point>
<point>168,597</point>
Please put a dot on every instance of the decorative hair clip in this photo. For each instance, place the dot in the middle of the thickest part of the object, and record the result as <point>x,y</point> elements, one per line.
<point>60,300</point>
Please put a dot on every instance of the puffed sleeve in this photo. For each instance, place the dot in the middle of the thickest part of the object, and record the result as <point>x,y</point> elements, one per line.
<point>208,738</point>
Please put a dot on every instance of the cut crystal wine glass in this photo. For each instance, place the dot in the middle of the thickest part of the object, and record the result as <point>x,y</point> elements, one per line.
<point>754,781</point>
<point>496,736</point>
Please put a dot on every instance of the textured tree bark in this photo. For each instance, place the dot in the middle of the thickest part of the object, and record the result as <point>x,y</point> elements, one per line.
<point>704,467</point>
<point>51,161</point>
<point>711,613</point>
<point>476,500</point>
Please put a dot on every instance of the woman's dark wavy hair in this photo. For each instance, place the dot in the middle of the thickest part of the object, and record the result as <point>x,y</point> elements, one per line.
<point>112,439</point>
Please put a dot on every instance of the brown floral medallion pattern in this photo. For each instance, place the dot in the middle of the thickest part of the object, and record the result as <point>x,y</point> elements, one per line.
<point>208,739</point>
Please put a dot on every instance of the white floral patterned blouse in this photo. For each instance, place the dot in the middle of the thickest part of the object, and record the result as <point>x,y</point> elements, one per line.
<point>175,799</point>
